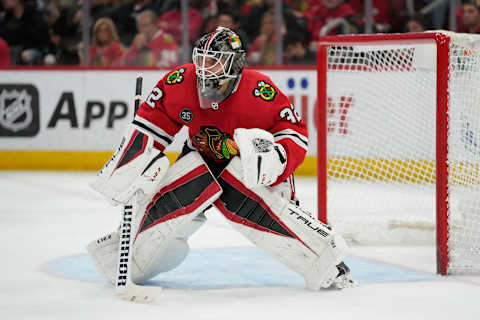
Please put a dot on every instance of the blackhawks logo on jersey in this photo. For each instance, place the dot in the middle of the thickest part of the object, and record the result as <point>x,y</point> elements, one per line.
<point>264,91</point>
<point>214,143</point>
<point>176,76</point>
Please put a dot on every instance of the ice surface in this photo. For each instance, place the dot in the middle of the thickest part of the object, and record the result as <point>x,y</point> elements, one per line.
<point>47,218</point>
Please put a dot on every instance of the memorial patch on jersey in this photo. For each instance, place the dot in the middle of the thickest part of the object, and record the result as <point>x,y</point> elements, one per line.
<point>264,91</point>
<point>175,77</point>
<point>214,143</point>
<point>186,115</point>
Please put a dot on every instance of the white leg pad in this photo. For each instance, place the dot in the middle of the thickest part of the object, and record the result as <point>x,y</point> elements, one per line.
<point>104,252</point>
<point>284,230</point>
<point>163,224</point>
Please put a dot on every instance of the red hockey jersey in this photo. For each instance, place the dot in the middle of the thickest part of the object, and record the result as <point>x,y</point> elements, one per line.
<point>256,103</point>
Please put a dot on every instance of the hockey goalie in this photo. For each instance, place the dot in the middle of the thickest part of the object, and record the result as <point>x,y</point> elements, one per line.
<point>245,140</point>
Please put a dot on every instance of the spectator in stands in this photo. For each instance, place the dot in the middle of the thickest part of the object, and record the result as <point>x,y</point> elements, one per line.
<point>251,23</point>
<point>438,14</point>
<point>247,7</point>
<point>381,22</point>
<point>230,5</point>
<point>262,51</point>
<point>460,27</point>
<point>125,17</point>
<point>53,15</point>
<point>98,9</point>
<point>25,32</point>
<point>171,22</point>
<point>416,23</point>
<point>65,31</point>
<point>298,7</point>
<point>209,8</point>
<point>297,51</point>
<point>152,46</point>
<point>106,49</point>
<point>324,12</point>
<point>471,17</point>
<point>398,13</point>
<point>228,20</point>
<point>4,54</point>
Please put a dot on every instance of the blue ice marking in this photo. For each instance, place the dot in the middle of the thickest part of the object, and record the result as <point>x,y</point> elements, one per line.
<point>239,267</point>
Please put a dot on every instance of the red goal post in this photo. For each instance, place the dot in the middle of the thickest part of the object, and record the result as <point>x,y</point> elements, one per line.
<point>400,114</point>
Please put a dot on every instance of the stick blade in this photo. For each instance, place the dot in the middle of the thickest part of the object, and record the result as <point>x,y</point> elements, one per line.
<point>141,294</point>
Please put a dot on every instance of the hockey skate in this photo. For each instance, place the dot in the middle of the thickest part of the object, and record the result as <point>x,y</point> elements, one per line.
<point>344,278</point>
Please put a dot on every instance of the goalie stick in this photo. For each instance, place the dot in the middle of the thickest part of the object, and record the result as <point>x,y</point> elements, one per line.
<point>125,287</point>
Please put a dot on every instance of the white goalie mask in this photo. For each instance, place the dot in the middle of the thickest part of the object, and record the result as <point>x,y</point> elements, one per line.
<point>219,58</point>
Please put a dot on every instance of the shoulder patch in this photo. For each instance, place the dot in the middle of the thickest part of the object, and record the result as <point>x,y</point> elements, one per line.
<point>264,91</point>
<point>175,76</point>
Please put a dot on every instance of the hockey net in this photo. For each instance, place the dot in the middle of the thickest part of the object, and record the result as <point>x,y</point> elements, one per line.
<point>399,142</point>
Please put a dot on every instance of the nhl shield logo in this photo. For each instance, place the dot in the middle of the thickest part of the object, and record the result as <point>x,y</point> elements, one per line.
<point>18,110</point>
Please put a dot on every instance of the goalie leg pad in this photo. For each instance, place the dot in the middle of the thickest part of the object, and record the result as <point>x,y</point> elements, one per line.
<point>188,189</point>
<point>104,252</point>
<point>165,223</point>
<point>281,228</point>
<point>136,165</point>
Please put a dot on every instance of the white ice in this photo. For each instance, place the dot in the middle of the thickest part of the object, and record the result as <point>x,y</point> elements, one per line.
<point>50,216</point>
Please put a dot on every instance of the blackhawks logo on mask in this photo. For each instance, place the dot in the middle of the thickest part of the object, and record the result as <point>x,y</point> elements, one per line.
<point>264,91</point>
<point>215,144</point>
<point>176,76</point>
<point>234,40</point>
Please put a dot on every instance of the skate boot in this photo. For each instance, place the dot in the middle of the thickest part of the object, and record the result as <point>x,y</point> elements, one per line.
<point>344,279</point>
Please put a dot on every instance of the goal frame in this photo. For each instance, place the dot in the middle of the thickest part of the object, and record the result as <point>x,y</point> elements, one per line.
<point>442,42</point>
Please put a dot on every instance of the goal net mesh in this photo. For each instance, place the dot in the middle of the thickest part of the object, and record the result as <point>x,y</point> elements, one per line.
<point>381,145</point>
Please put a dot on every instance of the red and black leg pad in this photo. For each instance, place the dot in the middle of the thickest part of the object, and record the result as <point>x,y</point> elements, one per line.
<point>180,197</point>
<point>135,147</point>
<point>239,204</point>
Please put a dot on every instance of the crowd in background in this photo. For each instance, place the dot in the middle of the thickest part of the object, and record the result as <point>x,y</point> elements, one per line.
<point>149,32</point>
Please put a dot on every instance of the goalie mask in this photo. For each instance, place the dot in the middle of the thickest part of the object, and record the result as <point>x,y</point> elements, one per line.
<point>219,58</point>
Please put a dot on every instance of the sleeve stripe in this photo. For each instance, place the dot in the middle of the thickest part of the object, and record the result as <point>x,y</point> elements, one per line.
<point>158,133</point>
<point>144,127</point>
<point>299,139</point>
